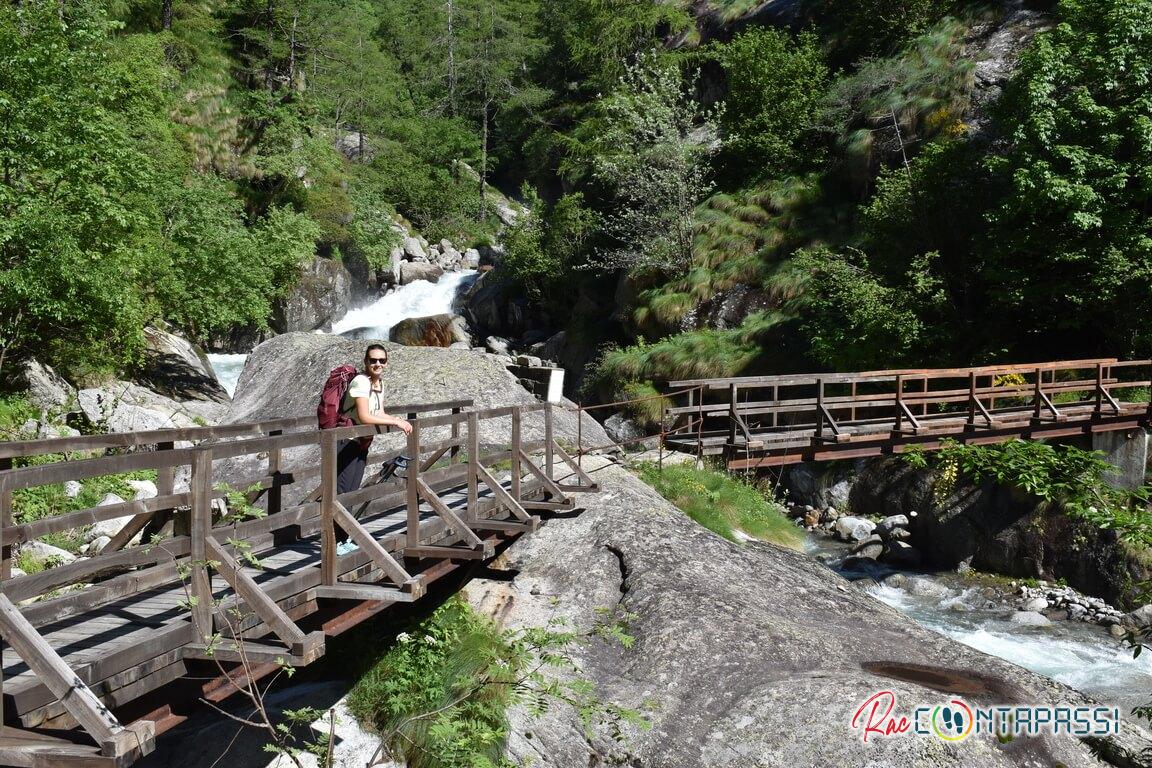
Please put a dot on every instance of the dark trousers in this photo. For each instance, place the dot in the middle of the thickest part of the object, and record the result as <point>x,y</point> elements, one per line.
<point>351,458</point>
<point>350,461</point>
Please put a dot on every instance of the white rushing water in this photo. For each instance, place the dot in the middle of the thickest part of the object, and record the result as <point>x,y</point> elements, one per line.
<point>419,298</point>
<point>227,368</point>
<point>1082,656</point>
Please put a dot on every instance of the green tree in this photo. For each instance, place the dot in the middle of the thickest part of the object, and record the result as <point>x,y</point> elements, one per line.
<point>862,28</point>
<point>775,89</point>
<point>76,212</point>
<point>1071,237</point>
<point>651,145</point>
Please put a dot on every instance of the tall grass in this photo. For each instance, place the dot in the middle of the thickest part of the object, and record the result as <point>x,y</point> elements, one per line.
<point>723,504</point>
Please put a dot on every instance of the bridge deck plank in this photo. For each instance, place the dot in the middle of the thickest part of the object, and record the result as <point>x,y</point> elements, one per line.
<point>135,631</point>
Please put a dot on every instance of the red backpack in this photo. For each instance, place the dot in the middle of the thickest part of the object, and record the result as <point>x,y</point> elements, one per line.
<point>328,413</point>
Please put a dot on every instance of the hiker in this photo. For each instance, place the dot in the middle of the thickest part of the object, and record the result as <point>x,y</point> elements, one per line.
<point>363,403</point>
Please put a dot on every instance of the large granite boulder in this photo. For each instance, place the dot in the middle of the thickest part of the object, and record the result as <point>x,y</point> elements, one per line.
<point>433,331</point>
<point>178,369</point>
<point>44,388</point>
<point>411,271</point>
<point>284,375</point>
<point>123,406</point>
<point>321,296</point>
<point>744,655</point>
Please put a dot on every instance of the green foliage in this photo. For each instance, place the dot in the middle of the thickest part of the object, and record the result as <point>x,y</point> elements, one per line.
<point>775,88</point>
<point>1063,474</point>
<point>543,245</point>
<point>723,504</point>
<point>876,27</point>
<point>14,411</point>
<point>851,318</point>
<point>438,697</point>
<point>599,40</point>
<point>1080,170</point>
<point>29,504</point>
<point>888,107</point>
<point>651,147</point>
<point>686,355</point>
<point>74,189</point>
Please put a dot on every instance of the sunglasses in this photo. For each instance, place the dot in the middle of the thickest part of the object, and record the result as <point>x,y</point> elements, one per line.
<point>377,361</point>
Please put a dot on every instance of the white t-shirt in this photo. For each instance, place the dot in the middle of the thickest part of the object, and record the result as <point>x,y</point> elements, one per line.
<point>361,386</point>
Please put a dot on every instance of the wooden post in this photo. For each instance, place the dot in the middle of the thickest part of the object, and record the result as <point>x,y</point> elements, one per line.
<point>1099,388</point>
<point>776,407</point>
<point>924,402</point>
<point>78,699</point>
<point>165,485</point>
<point>548,439</point>
<point>517,470</point>
<point>201,582</point>
<point>454,451</point>
<point>473,463</point>
<point>5,521</point>
<point>1036,397</point>
<point>328,476</point>
<point>733,414</point>
<point>275,493</point>
<point>819,408</point>
<point>580,434</point>
<point>899,401</point>
<point>972,397</point>
<point>852,412</point>
<point>412,535</point>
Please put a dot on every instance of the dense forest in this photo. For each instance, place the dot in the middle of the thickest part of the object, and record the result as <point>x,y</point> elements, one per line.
<point>836,165</point>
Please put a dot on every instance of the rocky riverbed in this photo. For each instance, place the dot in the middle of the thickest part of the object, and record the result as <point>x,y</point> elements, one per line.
<point>1048,628</point>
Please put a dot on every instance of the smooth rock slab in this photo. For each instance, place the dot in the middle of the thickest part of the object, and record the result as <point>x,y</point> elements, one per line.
<point>745,655</point>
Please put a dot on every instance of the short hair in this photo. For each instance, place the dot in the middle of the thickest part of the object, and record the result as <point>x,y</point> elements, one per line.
<point>380,347</point>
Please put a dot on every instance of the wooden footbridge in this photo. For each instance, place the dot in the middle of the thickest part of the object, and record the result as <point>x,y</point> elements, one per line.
<point>90,646</point>
<point>762,421</point>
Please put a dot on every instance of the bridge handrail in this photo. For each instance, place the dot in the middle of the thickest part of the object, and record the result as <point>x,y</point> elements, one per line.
<point>887,375</point>
<point>43,446</point>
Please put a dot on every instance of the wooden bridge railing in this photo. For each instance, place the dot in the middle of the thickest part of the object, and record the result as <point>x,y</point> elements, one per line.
<point>757,412</point>
<point>446,451</point>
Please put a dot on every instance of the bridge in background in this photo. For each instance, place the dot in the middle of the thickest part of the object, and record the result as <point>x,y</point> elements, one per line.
<point>90,646</point>
<point>765,421</point>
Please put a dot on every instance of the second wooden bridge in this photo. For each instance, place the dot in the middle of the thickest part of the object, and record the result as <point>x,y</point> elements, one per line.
<point>90,646</point>
<point>763,421</point>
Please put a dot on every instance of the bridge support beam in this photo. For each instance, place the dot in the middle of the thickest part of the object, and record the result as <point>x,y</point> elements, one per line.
<point>1128,452</point>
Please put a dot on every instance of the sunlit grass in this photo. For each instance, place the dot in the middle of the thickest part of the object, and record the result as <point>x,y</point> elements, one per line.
<point>723,504</point>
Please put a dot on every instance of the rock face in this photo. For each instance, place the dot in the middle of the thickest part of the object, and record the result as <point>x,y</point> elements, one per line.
<point>432,331</point>
<point>126,407</point>
<point>323,295</point>
<point>744,655</point>
<point>45,388</point>
<point>178,369</point>
<point>998,529</point>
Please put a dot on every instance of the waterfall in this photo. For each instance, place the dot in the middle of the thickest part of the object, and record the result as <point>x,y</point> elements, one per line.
<point>419,298</point>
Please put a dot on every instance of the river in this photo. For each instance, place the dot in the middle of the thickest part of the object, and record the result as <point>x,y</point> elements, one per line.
<point>1081,655</point>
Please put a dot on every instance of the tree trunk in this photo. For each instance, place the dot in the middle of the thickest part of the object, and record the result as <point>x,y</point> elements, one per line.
<point>167,15</point>
<point>451,5</point>
<point>484,160</point>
